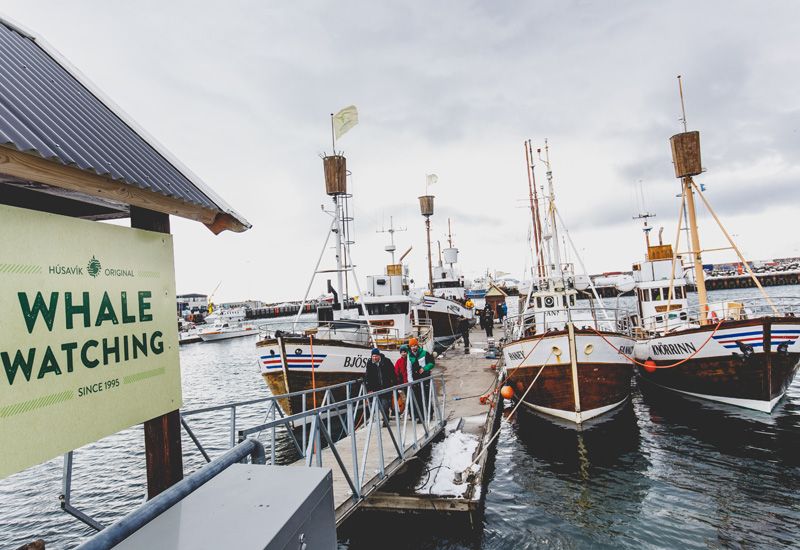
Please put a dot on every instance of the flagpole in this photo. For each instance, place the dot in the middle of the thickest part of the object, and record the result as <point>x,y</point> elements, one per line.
<point>333,137</point>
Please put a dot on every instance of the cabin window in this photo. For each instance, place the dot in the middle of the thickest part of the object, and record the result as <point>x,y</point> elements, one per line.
<point>656,294</point>
<point>645,294</point>
<point>394,308</point>
<point>572,300</point>
<point>549,301</point>
<point>659,319</point>
<point>679,293</point>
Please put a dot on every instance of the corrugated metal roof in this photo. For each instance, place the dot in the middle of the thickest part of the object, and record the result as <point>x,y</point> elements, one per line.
<point>48,109</point>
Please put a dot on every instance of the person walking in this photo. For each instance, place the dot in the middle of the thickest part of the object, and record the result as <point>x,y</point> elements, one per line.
<point>380,376</point>
<point>463,328</point>
<point>488,315</point>
<point>402,372</point>
<point>503,311</point>
<point>422,364</point>
<point>481,318</point>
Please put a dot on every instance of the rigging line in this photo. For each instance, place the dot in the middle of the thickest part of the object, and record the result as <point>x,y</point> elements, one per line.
<point>580,261</point>
<point>733,245</point>
<point>674,257</point>
<point>521,400</point>
<point>634,361</point>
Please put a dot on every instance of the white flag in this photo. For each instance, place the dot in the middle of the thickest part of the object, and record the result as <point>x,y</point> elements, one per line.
<point>430,179</point>
<point>344,120</point>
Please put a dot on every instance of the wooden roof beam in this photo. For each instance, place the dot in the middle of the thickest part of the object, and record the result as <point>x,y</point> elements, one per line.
<point>36,169</point>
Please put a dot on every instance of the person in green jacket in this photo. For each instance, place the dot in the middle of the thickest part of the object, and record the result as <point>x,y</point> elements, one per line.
<point>422,364</point>
<point>421,361</point>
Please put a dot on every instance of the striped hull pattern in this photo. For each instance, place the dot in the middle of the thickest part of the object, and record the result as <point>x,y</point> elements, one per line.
<point>603,374</point>
<point>331,361</point>
<point>747,363</point>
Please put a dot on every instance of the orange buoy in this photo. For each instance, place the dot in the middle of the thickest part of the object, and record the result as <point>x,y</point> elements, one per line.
<point>650,366</point>
<point>507,392</point>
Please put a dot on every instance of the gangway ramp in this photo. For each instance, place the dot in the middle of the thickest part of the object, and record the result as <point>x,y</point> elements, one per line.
<point>377,436</point>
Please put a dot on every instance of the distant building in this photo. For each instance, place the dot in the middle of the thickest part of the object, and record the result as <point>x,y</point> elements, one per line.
<point>192,303</point>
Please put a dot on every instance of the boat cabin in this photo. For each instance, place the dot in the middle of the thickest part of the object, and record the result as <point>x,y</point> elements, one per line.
<point>661,299</point>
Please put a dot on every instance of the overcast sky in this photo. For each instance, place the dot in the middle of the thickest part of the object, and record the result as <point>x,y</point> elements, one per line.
<point>241,92</point>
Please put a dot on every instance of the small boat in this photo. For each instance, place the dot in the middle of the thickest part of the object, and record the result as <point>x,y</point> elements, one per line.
<point>742,351</point>
<point>225,330</point>
<point>443,304</point>
<point>564,359</point>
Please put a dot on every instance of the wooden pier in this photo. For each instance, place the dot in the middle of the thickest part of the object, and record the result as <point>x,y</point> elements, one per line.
<point>467,376</point>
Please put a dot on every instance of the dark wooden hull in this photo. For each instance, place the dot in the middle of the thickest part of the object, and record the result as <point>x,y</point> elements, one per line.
<point>756,378</point>
<point>445,325</point>
<point>601,386</point>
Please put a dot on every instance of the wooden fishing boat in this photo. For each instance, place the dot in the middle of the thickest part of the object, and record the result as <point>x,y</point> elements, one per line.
<point>741,352</point>
<point>564,359</point>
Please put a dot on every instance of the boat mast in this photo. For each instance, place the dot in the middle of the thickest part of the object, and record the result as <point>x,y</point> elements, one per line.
<point>534,205</point>
<point>390,248</point>
<point>426,208</point>
<point>555,248</point>
<point>686,156</point>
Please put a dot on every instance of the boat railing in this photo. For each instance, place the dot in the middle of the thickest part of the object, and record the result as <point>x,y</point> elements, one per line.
<point>602,319</point>
<point>349,331</point>
<point>740,309</point>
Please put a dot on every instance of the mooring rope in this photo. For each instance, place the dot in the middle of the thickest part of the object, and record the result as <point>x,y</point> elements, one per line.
<point>521,399</point>
<point>654,366</point>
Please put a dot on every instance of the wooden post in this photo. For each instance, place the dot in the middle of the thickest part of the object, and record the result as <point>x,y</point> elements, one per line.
<point>162,435</point>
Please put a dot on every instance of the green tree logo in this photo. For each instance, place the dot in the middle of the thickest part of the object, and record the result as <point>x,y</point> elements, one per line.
<point>94,267</point>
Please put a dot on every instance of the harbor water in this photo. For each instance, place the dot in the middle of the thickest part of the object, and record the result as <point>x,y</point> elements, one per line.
<point>662,472</point>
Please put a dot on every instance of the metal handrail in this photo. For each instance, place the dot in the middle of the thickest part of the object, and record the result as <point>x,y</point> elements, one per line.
<point>429,412</point>
<point>732,310</point>
<point>159,504</point>
<point>316,425</point>
<point>613,319</point>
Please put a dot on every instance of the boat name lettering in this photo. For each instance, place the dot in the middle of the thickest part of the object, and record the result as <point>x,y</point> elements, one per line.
<point>627,350</point>
<point>681,348</point>
<point>516,355</point>
<point>357,362</point>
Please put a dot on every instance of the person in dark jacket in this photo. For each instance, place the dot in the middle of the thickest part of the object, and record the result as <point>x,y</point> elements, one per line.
<point>488,316</point>
<point>379,376</point>
<point>463,328</point>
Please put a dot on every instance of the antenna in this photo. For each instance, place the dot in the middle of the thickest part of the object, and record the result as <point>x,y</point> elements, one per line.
<point>390,248</point>
<point>646,228</point>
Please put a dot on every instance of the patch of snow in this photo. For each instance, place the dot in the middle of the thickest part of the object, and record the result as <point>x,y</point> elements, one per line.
<point>451,455</point>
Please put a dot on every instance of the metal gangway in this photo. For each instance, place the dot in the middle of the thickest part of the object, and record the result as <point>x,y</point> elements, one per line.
<point>364,438</point>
